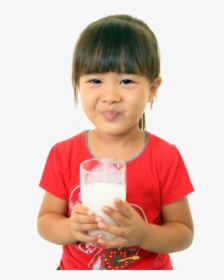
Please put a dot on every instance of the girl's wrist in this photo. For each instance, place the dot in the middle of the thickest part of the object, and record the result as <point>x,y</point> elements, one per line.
<point>146,236</point>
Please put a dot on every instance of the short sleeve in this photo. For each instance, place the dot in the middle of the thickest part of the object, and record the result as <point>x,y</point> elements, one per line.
<point>175,182</point>
<point>52,179</point>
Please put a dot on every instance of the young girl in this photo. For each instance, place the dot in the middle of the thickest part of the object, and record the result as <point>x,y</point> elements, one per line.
<point>116,69</point>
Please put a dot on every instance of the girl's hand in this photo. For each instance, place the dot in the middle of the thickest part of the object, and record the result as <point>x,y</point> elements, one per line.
<point>83,220</point>
<point>130,229</point>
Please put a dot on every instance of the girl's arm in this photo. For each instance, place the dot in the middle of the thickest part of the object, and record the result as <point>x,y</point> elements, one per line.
<point>52,222</point>
<point>174,235</point>
<point>55,226</point>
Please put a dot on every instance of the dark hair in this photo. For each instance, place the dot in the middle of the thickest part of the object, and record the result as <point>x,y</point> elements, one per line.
<point>117,43</point>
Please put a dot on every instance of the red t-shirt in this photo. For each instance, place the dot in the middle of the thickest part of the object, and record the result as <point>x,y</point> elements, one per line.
<point>157,176</point>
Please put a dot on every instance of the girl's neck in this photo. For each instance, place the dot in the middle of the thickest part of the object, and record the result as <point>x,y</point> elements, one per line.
<point>125,146</point>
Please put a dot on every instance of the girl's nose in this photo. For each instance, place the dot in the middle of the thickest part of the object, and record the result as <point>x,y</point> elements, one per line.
<point>110,95</point>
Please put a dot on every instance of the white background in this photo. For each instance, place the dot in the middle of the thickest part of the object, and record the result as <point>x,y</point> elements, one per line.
<point>37,109</point>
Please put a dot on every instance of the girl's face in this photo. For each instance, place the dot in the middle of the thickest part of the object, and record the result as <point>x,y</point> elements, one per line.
<point>115,102</point>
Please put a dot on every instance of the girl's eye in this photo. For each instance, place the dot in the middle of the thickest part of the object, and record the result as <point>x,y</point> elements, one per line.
<point>95,81</point>
<point>126,82</point>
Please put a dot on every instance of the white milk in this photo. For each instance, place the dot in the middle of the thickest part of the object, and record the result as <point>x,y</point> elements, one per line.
<point>95,195</point>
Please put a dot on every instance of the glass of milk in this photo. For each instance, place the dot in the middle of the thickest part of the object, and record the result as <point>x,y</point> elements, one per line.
<point>101,180</point>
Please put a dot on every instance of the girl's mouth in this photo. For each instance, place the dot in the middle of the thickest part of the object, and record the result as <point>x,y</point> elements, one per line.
<point>110,115</point>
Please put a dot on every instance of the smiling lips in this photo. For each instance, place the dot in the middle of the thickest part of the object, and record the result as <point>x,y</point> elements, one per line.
<point>110,115</point>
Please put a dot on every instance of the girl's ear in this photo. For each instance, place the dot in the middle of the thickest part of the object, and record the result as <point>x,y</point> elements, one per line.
<point>154,88</point>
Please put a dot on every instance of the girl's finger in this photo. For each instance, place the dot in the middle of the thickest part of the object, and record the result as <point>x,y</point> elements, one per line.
<point>83,237</point>
<point>116,243</point>
<point>119,219</point>
<point>83,219</point>
<point>122,216</point>
<point>84,227</point>
<point>123,207</point>
<point>81,209</point>
<point>115,230</point>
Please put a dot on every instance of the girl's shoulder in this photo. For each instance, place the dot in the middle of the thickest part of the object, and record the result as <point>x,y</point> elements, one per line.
<point>158,142</point>
<point>70,146</point>
<point>160,148</point>
<point>72,142</point>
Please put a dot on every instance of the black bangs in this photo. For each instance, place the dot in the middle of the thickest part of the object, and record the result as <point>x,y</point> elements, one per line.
<point>112,46</point>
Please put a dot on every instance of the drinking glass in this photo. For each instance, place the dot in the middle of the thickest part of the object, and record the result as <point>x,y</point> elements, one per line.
<point>101,180</point>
